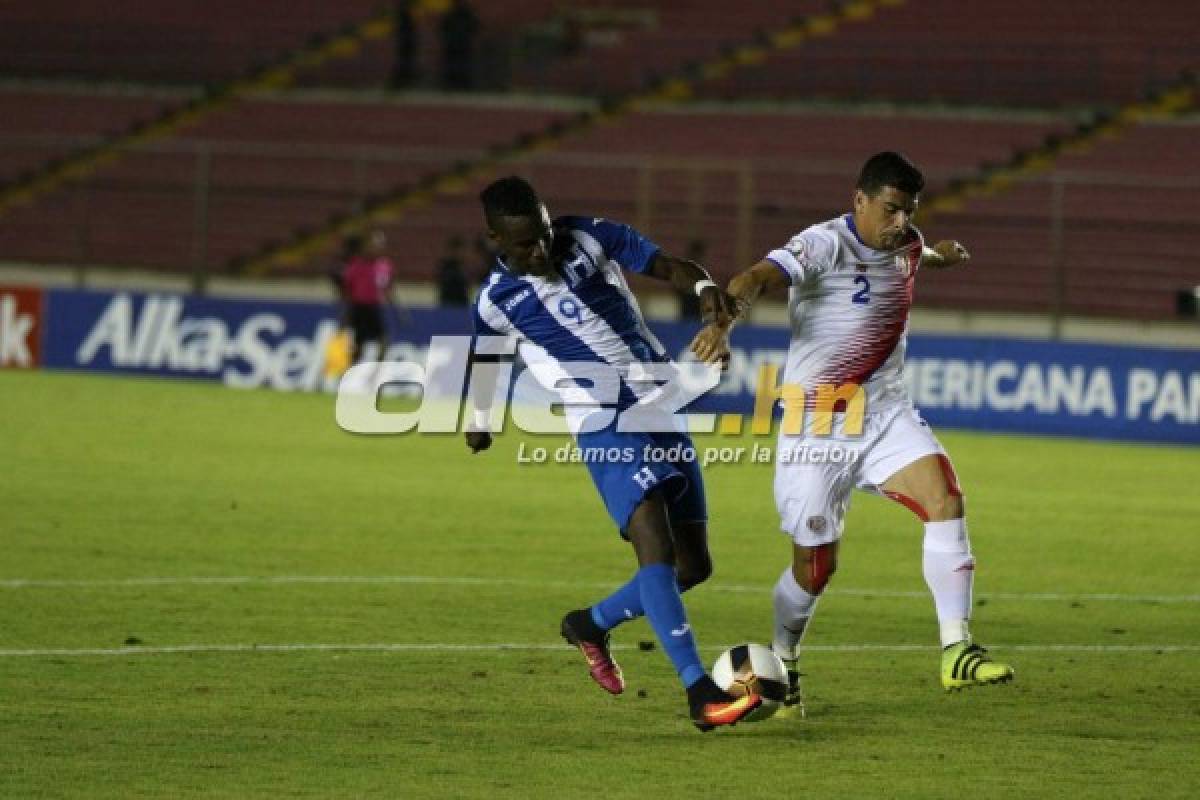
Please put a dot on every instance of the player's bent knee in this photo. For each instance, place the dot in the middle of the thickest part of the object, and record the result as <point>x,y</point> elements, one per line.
<point>944,507</point>
<point>693,574</point>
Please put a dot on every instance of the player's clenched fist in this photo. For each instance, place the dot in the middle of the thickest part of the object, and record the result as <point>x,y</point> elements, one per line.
<point>951,252</point>
<point>478,440</point>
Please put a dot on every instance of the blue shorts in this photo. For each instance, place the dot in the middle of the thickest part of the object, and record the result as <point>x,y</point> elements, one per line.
<point>628,466</point>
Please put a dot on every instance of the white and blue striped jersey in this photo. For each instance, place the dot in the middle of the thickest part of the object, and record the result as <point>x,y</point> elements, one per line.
<point>585,313</point>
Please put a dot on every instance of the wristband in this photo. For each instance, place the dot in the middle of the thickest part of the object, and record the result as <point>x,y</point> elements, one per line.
<point>701,285</point>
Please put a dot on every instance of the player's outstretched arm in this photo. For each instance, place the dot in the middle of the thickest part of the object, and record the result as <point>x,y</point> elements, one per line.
<point>946,253</point>
<point>711,344</point>
<point>688,276</point>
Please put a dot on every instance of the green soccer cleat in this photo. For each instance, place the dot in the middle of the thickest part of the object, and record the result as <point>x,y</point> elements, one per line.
<point>967,664</point>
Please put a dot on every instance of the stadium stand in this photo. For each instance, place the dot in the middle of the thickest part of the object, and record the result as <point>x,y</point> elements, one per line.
<point>192,42</point>
<point>1051,54</point>
<point>260,176</point>
<point>624,44</point>
<point>278,165</point>
<point>273,74</point>
<point>153,42</point>
<point>1020,53</point>
<point>1130,213</point>
<point>43,125</point>
<point>271,167</point>
<point>284,69</point>
<point>277,71</point>
<point>142,212</point>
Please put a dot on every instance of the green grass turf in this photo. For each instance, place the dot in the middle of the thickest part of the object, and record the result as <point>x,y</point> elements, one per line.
<point>108,479</point>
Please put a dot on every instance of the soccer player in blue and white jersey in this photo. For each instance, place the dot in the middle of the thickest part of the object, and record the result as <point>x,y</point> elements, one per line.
<point>557,289</point>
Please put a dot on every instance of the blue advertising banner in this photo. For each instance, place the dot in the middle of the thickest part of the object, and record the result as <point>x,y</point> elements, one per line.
<point>244,343</point>
<point>1093,390</point>
<point>1004,384</point>
<point>1000,384</point>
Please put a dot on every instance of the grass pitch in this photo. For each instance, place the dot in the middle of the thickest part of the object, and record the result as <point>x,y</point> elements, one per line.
<point>153,533</point>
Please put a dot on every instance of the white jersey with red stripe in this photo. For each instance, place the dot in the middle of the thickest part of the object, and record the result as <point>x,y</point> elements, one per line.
<point>848,308</point>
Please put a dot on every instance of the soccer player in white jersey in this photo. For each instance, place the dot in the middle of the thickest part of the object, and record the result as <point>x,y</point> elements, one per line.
<point>850,283</point>
<point>557,289</point>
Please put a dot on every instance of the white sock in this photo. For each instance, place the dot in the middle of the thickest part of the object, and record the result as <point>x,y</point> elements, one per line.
<point>949,572</point>
<point>793,609</point>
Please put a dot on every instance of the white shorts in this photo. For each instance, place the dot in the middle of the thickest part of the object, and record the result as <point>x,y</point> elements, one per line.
<point>814,475</point>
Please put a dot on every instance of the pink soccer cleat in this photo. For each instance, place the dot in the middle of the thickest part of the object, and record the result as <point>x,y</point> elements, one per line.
<point>603,669</point>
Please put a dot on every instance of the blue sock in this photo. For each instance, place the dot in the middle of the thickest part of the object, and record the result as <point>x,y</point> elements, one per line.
<point>664,609</point>
<point>623,604</point>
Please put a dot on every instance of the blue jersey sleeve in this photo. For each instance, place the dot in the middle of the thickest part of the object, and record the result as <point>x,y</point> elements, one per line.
<point>484,314</point>
<point>621,243</point>
<point>494,333</point>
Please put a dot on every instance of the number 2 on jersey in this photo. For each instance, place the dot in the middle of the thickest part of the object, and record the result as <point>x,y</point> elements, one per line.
<point>863,295</point>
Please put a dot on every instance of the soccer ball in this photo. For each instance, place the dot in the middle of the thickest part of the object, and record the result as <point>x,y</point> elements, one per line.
<point>753,668</point>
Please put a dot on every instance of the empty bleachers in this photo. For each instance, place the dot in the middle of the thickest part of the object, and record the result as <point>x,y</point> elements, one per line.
<point>743,182</point>
<point>1129,232</point>
<point>247,175</point>
<point>148,41</point>
<point>649,39</point>
<point>190,42</point>
<point>37,126</point>
<point>1019,53</point>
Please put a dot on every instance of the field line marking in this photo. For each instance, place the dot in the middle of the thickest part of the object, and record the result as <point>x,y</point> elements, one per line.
<point>497,647</point>
<point>433,580</point>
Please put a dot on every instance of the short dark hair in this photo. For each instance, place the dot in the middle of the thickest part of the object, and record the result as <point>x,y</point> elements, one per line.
<point>509,197</point>
<point>889,169</point>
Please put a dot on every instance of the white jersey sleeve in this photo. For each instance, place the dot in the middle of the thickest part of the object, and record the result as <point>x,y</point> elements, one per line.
<point>809,254</point>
